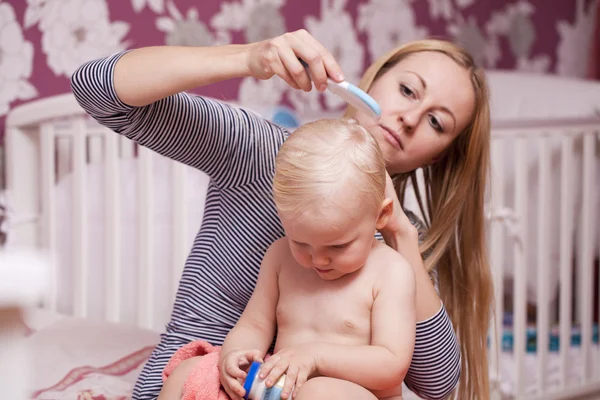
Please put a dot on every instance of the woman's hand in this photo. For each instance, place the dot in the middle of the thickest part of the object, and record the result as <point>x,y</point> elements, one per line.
<point>232,368</point>
<point>279,56</point>
<point>299,363</point>
<point>398,224</point>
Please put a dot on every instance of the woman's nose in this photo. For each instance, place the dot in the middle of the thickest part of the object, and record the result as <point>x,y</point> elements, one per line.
<point>409,119</point>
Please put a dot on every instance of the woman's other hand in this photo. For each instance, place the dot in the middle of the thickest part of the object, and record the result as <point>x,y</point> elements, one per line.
<point>279,56</point>
<point>398,224</point>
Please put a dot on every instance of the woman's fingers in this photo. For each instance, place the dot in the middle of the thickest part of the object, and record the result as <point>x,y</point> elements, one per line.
<point>279,56</point>
<point>311,52</point>
<point>276,67</point>
<point>295,68</point>
<point>326,61</point>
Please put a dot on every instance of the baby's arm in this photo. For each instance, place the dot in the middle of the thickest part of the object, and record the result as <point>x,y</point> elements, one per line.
<point>384,363</point>
<point>252,335</point>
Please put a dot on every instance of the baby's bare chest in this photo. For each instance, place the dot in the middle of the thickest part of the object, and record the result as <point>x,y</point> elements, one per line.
<point>330,308</point>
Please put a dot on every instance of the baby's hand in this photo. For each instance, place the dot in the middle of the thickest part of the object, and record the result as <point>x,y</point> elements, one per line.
<point>232,368</point>
<point>299,363</point>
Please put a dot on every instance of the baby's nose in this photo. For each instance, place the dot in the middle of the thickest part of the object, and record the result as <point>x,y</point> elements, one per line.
<point>320,260</point>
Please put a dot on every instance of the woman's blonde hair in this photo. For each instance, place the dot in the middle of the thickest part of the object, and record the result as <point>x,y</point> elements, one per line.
<point>320,160</point>
<point>455,241</point>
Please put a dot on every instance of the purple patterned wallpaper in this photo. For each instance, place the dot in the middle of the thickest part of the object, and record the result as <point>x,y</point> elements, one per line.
<point>43,41</point>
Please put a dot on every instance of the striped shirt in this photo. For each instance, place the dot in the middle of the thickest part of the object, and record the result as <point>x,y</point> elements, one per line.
<point>236,149</point>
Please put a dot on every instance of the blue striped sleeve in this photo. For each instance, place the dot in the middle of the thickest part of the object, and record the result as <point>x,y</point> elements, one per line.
<point>227,143</point>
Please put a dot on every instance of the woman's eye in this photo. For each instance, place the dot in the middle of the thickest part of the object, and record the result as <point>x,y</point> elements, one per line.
<point>405,90</point>
<point>435,123</point>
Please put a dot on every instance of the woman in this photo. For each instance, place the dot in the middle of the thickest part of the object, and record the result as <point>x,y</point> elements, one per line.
<point>435,114</point>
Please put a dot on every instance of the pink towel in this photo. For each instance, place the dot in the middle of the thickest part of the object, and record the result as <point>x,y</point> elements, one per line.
<point>203,382</point>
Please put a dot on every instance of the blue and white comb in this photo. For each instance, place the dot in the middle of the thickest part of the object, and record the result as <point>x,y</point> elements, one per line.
<point>352,95</point>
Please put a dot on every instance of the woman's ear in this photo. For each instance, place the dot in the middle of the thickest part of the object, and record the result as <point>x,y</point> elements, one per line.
<point>387,208</point>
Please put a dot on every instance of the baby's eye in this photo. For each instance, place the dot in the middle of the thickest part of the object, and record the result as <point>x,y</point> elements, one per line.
<point>340,246</point>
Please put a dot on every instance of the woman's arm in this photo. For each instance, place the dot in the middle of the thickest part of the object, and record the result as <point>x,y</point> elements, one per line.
<point>143,76</point>
<point>139,95</point>
<point>146,75</point>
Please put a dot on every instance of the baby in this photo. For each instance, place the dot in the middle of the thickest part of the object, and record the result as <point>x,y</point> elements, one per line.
<point>341,303</point>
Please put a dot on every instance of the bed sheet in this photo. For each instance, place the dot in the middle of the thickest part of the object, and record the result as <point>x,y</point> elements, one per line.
<point>84,359</point>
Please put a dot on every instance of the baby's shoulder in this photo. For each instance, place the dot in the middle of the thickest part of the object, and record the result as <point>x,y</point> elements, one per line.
<point>388,264</point>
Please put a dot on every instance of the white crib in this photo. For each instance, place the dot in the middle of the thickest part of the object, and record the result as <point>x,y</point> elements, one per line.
<point>119,220</point>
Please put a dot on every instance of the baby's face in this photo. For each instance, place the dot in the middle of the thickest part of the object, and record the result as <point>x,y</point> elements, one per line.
<point>331,245</point>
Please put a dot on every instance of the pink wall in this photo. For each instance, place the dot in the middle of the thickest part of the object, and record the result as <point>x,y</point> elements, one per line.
<point>43,41</point>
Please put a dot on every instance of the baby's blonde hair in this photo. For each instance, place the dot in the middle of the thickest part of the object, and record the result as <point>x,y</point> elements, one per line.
<point>322,158</point>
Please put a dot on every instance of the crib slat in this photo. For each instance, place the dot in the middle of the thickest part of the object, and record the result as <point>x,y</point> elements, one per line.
<point>112,233</point>
<point>126,147</point>
<point>566,244</point>
<point>80,229</point>
<point>181,241</point>
<point>543,261</point>
<point>586,257</point>
<point>520,249</point>
<point>48,177</point>
<point>145,235</point>
<point>497,252</point>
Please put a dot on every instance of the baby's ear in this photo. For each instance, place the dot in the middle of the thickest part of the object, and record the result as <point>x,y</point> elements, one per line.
<point>387,208</point>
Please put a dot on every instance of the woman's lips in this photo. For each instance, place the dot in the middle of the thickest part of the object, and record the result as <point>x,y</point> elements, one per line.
<point>392,137</point>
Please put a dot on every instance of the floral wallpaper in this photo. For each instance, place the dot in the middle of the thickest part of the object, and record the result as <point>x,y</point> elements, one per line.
<point>43,41</point>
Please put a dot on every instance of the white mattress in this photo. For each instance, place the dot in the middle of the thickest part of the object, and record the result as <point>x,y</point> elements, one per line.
<point>575,374</point>
<point>77,358</point>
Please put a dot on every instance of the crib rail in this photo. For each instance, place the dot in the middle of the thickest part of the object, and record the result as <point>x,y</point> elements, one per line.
<point>569,152</point>
<point>59,148</point>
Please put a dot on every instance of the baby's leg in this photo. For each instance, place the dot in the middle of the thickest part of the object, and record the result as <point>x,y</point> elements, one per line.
<point>173,386</point>
<point>322,388</point>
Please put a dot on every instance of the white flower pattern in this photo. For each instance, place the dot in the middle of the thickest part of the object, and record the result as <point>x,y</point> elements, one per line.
<point>259,19</point>
<point>336,32</point>
<point>575,41</point>
<point>261,96</point>
<point>441,9</point>
<point>158,6</point>
<point>75,31</point>
<point>485,50</point>
<point>16,61</point>
<point>388,23</point>
<point>187,30</point>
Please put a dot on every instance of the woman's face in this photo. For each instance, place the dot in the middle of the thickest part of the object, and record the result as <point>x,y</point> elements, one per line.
<point>426,100</point>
